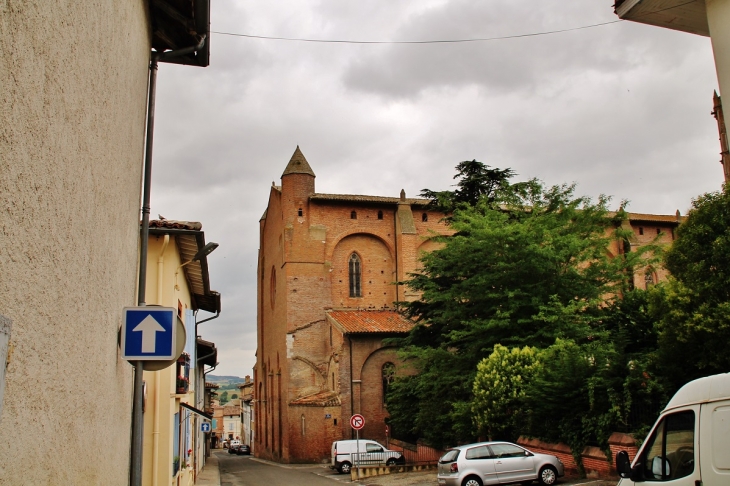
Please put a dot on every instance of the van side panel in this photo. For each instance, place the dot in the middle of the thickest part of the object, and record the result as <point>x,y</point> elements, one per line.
<point>715,443</point>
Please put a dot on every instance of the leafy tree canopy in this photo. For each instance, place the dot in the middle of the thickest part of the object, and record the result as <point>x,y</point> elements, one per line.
<point>693,308</point>
<point>527,264</point>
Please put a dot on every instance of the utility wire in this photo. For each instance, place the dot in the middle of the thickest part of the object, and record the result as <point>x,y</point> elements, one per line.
<point>445,41</point>
<point>442,41</point>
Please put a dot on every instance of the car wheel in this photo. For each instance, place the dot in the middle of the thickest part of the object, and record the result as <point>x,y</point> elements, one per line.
<point>391,462</point>
<point>472,481</point>
<point>345,468</point>
<point>548,476</point>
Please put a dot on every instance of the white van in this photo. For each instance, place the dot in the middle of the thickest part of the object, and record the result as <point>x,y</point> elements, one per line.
<point>690,443</point>
<point>345,454</point>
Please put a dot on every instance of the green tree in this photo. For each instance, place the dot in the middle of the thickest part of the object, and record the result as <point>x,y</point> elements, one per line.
<point>224,397</point>
<point>694,306</point>
<point>234,396</point>
<point>526,265</point>
<point>499,391</point>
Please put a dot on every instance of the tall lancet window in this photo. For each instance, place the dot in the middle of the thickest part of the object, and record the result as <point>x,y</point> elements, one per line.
<point>355,288</point>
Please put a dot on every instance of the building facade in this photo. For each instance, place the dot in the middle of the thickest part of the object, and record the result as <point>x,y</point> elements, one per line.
<point>327,281</point>
<point>174,447</point>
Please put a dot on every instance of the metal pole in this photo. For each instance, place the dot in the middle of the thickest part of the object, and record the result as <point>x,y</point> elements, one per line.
<point>135,474</point>
<point>357,435</point>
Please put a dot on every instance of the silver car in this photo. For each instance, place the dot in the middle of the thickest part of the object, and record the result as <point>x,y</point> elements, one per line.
<point>497,463</point>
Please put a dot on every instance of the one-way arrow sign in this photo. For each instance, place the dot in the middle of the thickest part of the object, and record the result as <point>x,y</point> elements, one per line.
<point>148,333</point>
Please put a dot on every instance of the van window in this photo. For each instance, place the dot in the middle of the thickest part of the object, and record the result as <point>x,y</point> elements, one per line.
<point>373,448</point>
<point>669,453</point>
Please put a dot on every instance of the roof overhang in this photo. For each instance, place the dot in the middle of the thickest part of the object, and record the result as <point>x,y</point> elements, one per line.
<point>189,242</point>
<point>207,352</point>
<point>195,410</point>
<point>683,15</point>
<point>177,24</point>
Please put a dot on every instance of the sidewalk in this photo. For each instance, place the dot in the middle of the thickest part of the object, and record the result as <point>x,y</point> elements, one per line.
<point>210,475</point>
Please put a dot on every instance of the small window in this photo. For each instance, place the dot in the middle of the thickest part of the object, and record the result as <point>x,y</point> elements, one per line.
<point>353,215</point>
<point>300,212</point>
<point>507,450</point>
<point>481,452</point>
<point>649,279</point>
<point>388,374</point>
<point>424,217</point>
<point>354,268</point>
<point>641,230</point>
<point>658,231</point>
<point>373,448</point>
<point>380,215</point>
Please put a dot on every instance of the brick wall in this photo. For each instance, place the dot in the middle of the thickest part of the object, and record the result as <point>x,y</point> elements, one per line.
<point>595,462</point>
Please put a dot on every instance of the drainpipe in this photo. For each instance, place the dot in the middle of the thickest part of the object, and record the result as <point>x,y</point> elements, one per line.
<point>156,419</point>
<point>137,439</point>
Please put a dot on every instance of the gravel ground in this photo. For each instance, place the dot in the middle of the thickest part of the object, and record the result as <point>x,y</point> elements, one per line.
<point>428,478</point>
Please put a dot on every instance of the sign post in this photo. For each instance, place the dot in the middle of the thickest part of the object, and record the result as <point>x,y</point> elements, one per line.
<point>357,422</point>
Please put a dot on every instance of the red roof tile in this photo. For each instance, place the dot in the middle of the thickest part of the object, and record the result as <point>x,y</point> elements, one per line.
<point>371,321</point>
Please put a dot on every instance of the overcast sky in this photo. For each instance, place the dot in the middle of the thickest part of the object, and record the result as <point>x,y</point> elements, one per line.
<point>620,109</point>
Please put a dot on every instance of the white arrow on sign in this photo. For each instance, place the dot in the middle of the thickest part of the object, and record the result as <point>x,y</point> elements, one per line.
<point>149,327</point>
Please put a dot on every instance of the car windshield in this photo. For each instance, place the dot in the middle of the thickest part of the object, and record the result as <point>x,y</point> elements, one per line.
<point>450,456</point>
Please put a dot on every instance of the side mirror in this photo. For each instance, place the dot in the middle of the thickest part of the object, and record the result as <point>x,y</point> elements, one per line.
<point>623,464</point>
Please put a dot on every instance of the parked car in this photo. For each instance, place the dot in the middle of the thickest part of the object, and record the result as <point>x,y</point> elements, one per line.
<point>233,445</point>
<point>243,449</point>
<point>497,463</point>
<point>345,454</point>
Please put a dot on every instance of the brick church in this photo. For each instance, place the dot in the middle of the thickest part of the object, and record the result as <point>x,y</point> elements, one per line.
<point>327,269</point>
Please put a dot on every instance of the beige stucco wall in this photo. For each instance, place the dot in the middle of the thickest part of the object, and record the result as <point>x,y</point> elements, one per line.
<point>73,77</point>
<point>718,18</point>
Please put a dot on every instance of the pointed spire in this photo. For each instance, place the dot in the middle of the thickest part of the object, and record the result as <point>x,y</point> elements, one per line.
<point>298,165</point>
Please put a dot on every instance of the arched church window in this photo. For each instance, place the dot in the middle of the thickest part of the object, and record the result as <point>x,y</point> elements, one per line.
<point>424,217</point>
<point>355,288</point>
<point>353,215</point>
<point>300,212</point>
<point>388,374</point>
<point>380,215</point>
<point>649,280</point>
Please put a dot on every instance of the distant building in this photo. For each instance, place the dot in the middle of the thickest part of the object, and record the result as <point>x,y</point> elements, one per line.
<point>327,272</point>
<point>247,411</point>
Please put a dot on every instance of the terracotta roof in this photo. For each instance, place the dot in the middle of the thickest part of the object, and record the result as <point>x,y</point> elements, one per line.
<point>326,398</point>
<point>173,224</point>
<point>355,198</point>
<point>232,410</point>
<point>298,165</point>
<point>371,321</point>
<point>659,218</point>
<point>212,385</point>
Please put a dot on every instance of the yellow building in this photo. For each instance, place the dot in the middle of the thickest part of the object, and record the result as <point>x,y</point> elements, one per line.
<point>174,446</point>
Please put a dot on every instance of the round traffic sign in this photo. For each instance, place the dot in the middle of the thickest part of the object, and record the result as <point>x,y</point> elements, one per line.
<point>357,421</point>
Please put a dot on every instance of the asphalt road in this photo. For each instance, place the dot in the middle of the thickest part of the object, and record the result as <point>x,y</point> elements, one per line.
<point>249,471</point>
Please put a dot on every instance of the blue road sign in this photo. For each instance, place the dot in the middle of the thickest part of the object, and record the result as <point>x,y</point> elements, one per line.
<point>148,333</point>
<point>205,427</point>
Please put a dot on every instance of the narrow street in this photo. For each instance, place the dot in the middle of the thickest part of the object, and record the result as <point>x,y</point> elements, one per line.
<point>248,471</point>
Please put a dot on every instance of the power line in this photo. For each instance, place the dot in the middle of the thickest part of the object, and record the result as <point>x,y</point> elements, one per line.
<point>441,41</point>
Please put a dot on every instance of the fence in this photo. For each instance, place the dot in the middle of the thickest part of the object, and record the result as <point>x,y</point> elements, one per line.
<point>415,453</point>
